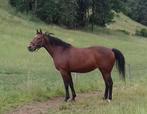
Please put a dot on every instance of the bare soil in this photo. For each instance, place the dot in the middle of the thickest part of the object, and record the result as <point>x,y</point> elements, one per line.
<point>43,107</point>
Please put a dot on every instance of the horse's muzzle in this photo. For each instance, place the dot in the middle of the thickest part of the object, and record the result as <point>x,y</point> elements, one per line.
<point>31,49</point>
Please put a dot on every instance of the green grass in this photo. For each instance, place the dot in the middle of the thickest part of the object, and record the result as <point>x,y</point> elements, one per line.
<point>27,77</point>
<point>132,102</point>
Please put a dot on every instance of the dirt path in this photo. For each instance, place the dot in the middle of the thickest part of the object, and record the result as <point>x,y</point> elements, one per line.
<point>42,107</point>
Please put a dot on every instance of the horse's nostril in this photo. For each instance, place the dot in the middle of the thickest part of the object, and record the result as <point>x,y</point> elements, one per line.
<point>29,48</point>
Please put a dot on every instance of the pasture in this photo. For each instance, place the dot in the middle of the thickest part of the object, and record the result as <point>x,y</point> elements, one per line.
<point>30,77</point>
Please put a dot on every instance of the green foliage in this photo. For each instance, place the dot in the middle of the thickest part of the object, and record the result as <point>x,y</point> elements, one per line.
<point>124,31</point>
<point>68,15</point>
<point>83,7</point>
<point>48,11</point>
<point>21,5</point>
<point>71,13</point>
<point>118,5</point>
<point>140,12</point>
<point>82,12</point>
<point>137,10</point>
<point>142,32</point>
<point>102,12</point>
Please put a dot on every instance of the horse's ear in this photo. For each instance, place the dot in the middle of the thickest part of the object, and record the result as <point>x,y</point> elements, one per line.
<point>37,32</point>
<point>40,31</point>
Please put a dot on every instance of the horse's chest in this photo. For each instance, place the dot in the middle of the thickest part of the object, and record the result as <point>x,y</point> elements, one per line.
<point>60,63</point>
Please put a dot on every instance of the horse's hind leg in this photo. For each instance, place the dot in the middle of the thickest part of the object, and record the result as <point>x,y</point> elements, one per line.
<point>106,90</point>
<point>72,87</point>
<point>108,85</point>
<point>110,81</point>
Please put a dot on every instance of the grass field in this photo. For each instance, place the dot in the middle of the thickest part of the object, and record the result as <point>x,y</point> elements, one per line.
<point>27,77</point>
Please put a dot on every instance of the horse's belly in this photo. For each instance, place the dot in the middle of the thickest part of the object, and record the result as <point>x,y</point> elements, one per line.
<point>83,69</point>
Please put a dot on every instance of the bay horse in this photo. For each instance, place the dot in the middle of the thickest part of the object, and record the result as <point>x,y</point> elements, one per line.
<point>68,58</point>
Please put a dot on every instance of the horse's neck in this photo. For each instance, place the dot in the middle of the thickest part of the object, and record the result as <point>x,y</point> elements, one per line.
<point>50,50</point>
<point>48,47</point>
<point>53,50</point>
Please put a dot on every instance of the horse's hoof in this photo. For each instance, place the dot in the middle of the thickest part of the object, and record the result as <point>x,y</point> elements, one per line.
<point>108,100</point>
<point>73,100</point>
<point>66,99</point>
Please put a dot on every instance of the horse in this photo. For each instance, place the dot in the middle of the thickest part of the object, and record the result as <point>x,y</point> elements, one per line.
<point>68,58</point>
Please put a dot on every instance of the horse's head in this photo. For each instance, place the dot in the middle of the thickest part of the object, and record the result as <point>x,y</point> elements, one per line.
<point>37,42</point>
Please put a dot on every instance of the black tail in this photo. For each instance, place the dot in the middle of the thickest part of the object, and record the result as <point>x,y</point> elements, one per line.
<point>120,62</point>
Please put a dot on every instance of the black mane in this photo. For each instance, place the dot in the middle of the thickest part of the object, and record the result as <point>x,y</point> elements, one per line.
<point>57,42</point>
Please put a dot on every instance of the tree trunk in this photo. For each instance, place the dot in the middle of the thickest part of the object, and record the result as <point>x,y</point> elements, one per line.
<point>93,10</point>
<point>35,6</point>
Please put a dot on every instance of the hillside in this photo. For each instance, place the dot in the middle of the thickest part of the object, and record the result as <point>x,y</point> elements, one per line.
<point>27,77</point>
<point>122,22</point>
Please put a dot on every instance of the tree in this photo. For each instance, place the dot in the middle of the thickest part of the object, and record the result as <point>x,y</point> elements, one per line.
<point>139,13</point>
<point>102,12</point>
<point>70,13</point>
<point>82,9</point>
<point>118,5</point>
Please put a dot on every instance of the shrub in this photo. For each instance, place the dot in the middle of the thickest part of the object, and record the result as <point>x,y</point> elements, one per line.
<point>142,32</point>
<point>124,31</point>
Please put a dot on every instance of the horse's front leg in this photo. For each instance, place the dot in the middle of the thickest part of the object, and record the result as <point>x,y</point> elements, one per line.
<point>65,77</point>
